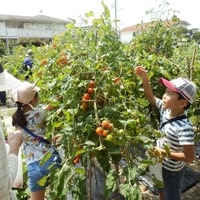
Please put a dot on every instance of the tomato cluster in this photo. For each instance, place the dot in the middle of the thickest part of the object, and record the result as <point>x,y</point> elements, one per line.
<point>44,62</point>
<point>54,45</point>
<point>62,60</point>
<point>105,129</point>
<point>117,80</point>
<point>78,157</point>
<point>87,95</point>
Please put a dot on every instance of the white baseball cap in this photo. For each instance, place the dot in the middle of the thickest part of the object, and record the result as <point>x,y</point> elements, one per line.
<point>25,92</point>
<point>182,86</point>
<point>29,51</point>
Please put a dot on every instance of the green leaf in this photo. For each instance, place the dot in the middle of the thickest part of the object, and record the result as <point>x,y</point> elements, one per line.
<point>46,158</point>
<point>143,102</point>
<point>90,14</point>
<point>80,170</point>
<point>114,151</point>
<point>111,184</point>
<point>123,122</point>
<point>197,111</point>
<point>57,124</point>
<point>106,11</point>
<point>81,151</point>
<point>144,139</point>
<point>130,192</point>
<point>90,143</point>
<point>158,183</point>
<point>42,181</point>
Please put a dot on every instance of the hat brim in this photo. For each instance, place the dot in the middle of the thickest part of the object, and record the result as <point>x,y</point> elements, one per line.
<point>167,84</point>
<point>8,81</point>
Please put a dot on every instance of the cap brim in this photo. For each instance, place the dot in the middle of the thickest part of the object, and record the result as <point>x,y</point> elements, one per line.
<point>8,81</point>
<point>167,84</point>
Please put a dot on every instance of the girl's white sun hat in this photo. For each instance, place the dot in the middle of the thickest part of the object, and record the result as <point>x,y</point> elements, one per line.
<point>25,92</point>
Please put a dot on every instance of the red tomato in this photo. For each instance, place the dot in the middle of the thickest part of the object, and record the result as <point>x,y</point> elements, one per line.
<point>44,62</point>
<point>99,130</point>
<point>90,90</point>
<point>92,84</point>
<point>76,160</point>
<point>105,133</point>
<point>84,106</point>
<point>110,126</point>
<point>86,96</point>
<point>117,80</point>
<point>105,123</point>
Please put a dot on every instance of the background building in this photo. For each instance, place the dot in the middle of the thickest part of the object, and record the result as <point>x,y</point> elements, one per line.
<point>127,33</point>
<point>14,27</point>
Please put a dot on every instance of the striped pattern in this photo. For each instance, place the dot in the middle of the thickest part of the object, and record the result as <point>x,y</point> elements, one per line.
<point>8,169</point>
<point>177,134</point>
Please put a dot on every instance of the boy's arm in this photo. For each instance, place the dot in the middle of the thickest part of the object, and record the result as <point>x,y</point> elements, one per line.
<point>140,71</point>
<point>187,155</point>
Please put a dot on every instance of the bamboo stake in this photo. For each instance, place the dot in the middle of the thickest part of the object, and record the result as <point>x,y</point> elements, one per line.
<point>191,69</point>
<point>192,63</point>
<point>90,183</point>
<point>188,66</point>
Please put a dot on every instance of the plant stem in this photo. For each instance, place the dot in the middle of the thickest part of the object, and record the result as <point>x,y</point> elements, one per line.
<point>97,119</point>
<point>90,181</point>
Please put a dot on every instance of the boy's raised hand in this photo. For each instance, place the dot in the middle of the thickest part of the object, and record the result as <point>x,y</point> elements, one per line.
<point>141,72</point>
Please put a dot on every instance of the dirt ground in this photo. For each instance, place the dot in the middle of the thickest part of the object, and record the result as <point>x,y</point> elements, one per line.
<point>191,194</point>
<point>194,192</point>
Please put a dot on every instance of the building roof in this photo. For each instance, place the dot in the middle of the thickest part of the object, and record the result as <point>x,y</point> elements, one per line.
<point>37,18</point>
<point>143,26</point>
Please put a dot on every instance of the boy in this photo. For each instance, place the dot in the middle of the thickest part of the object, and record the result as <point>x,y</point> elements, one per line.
<point>179,134</point>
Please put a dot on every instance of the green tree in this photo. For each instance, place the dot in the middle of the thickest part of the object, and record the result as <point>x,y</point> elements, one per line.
<point>2,48</point>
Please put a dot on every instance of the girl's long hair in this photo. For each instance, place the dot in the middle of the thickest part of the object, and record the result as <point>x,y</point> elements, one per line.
<point>18,118</point>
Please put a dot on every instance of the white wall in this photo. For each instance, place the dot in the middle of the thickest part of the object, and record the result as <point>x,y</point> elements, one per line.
<point>126,37</point>
<point>2,25</point>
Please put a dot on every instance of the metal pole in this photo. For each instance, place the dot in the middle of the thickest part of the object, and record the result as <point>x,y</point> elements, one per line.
<point>7,42</point>
<point>116,16</point>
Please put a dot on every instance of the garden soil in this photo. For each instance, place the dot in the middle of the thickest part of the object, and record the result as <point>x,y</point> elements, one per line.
<point>192,193</point>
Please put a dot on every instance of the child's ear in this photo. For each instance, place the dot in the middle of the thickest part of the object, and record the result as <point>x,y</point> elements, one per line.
<point>184,103</point>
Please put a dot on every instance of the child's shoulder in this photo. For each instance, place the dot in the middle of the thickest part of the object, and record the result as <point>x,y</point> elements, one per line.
<point>185,125</point>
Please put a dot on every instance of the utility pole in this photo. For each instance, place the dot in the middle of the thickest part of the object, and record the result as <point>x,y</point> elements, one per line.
<point>116,16</point>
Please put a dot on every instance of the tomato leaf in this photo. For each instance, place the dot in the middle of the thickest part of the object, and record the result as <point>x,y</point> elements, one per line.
<point>143,102</point>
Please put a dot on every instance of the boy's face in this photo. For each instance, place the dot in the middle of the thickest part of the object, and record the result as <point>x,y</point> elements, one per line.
<point>171,101</point>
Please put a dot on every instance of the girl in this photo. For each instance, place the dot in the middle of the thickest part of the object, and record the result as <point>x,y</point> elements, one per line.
<point>31,120</point>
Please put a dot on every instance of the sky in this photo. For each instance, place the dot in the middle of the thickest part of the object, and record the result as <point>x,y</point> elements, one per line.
<point>129,12</point>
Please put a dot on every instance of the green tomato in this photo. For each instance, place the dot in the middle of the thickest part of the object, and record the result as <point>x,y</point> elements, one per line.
<point>109,138</point>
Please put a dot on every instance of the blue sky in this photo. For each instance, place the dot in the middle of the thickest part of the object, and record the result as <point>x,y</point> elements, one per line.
<point>129,12</point>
